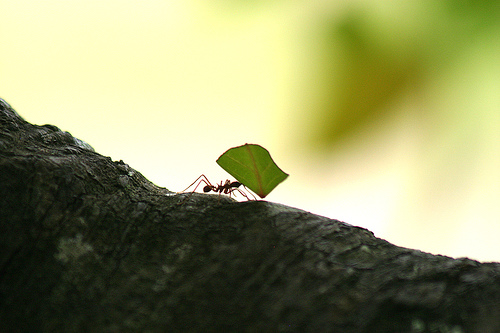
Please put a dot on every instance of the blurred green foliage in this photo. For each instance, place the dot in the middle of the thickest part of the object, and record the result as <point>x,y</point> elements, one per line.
<point>369,59</point>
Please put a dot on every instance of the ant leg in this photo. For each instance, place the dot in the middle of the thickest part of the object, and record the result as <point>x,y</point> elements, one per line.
<point>222,188</point>
<point>242,193</point>
<point>254,197</point>
<point>203,179</point>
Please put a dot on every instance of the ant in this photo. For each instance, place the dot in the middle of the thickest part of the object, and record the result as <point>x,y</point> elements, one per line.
<point>227,187</point>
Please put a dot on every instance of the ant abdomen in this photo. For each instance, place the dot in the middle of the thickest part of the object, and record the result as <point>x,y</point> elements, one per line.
<point>235,184</point>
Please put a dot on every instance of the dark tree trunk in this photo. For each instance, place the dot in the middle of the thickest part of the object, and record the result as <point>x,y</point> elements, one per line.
<point>90,245</point>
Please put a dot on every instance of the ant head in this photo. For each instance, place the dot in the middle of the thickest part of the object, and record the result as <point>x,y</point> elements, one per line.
<point>235,184</point>
<point>207,188</point>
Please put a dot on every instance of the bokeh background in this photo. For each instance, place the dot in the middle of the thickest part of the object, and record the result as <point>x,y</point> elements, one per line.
<point>386,114</point>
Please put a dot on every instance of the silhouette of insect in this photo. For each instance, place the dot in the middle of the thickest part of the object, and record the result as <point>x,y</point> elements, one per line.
<point>227,187</point>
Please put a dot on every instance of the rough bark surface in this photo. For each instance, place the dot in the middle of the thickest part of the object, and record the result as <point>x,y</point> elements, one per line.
<point>89,245</point>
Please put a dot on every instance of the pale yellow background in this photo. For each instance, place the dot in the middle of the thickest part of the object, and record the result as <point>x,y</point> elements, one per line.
<point>167,86</point>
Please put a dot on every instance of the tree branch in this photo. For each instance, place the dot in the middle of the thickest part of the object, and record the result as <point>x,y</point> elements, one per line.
<point>90,245</point>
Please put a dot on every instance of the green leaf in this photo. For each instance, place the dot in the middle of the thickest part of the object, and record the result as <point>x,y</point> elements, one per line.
<point>252,166</point>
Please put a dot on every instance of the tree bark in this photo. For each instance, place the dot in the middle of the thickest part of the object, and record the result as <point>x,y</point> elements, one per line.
<point>89,245</point>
